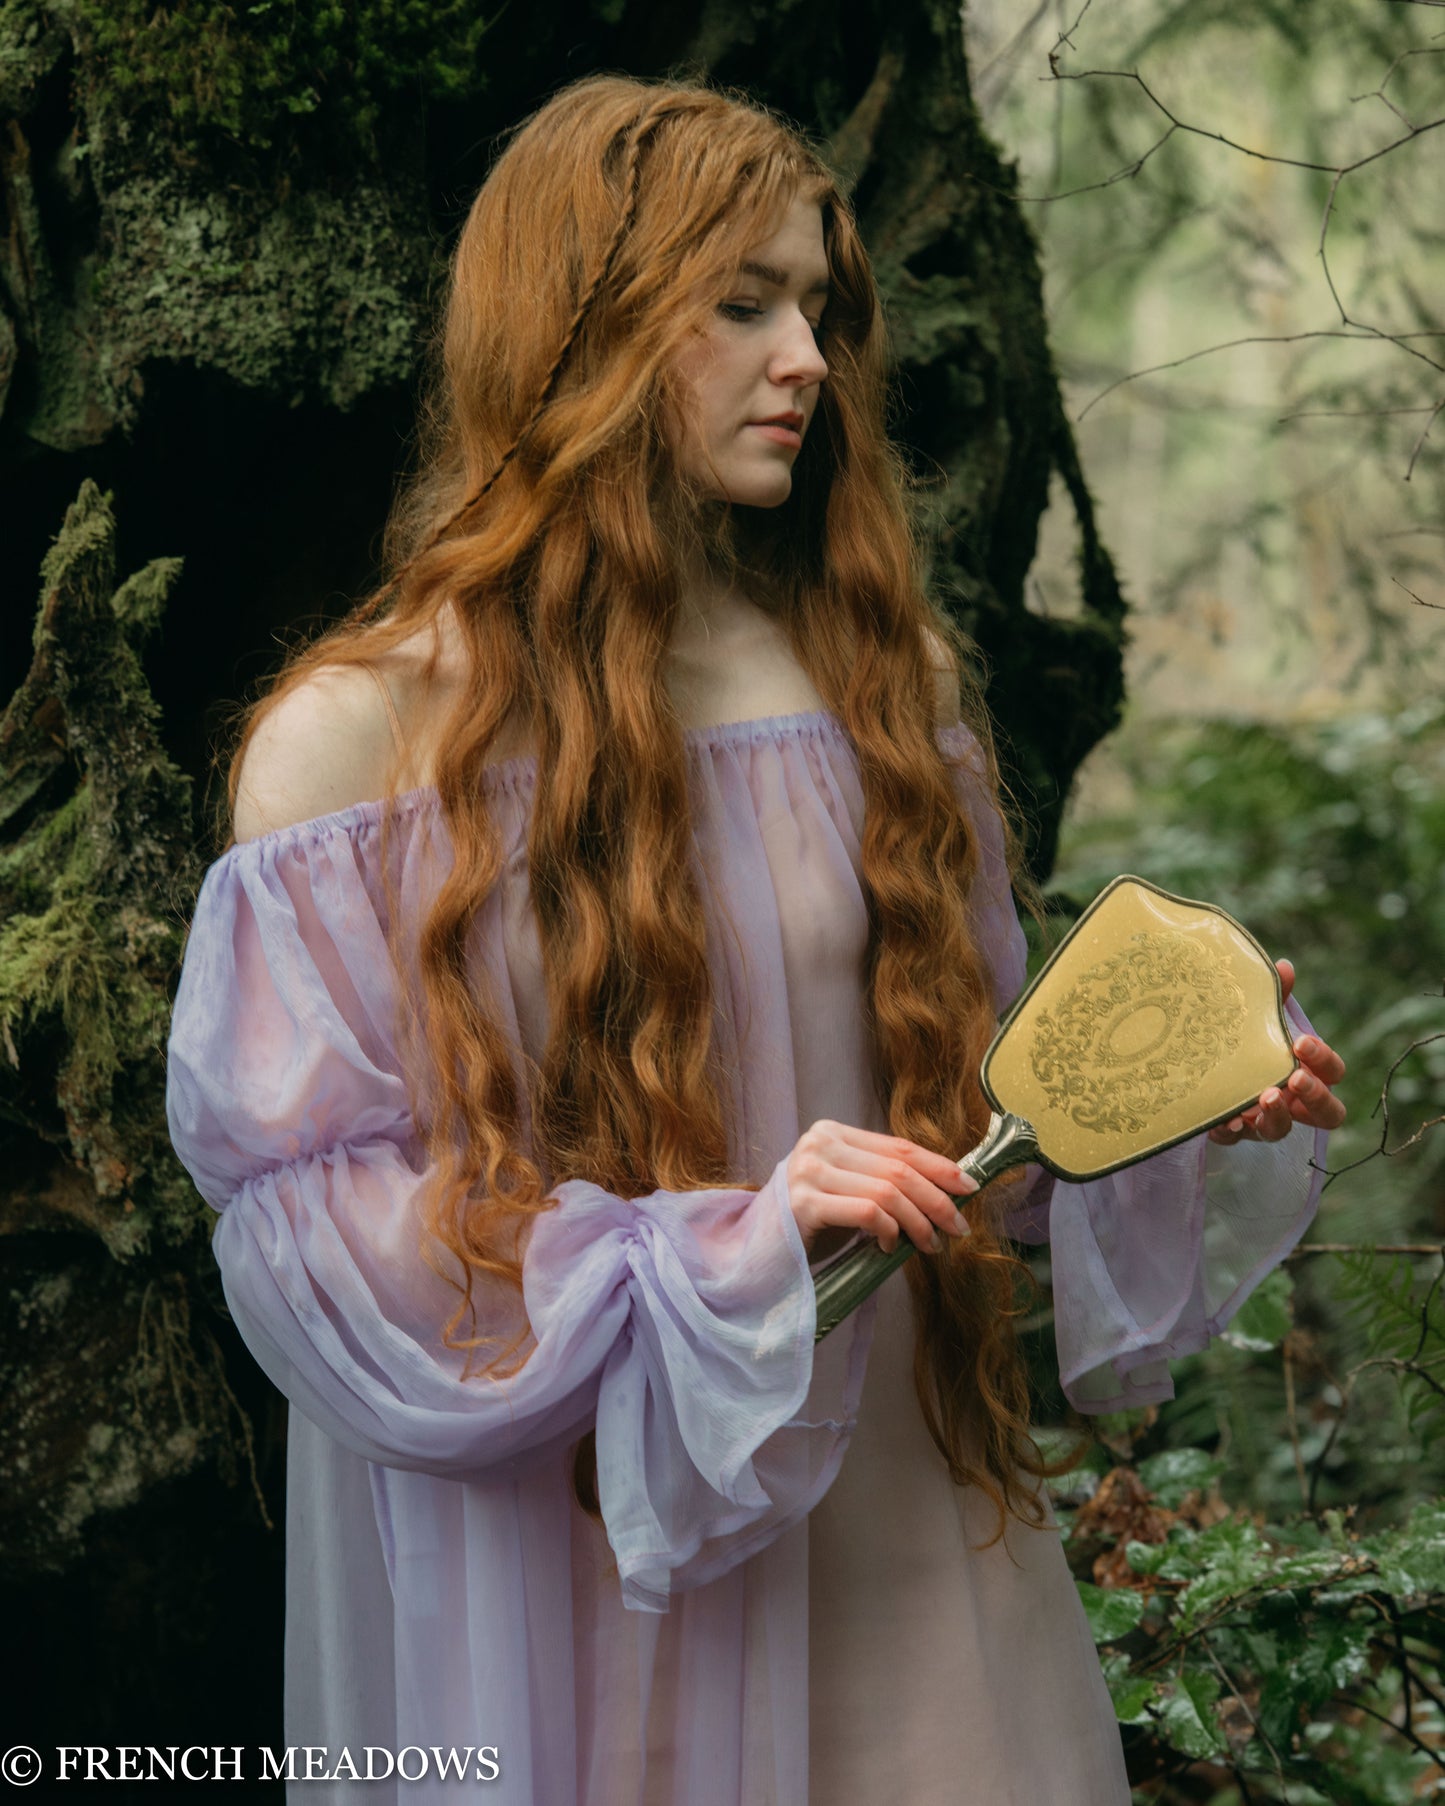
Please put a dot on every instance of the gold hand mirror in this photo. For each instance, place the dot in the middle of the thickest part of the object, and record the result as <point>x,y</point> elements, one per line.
<point>1153,1020</point>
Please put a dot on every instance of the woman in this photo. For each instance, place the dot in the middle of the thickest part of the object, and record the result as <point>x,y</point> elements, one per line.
<point>614,923</point>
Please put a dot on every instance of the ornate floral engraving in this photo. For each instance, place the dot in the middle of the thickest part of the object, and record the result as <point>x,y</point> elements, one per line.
<point>1137,1032</point>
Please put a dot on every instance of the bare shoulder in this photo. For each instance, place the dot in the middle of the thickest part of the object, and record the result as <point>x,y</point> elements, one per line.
<point>322,746</point>
<point>945,678</point>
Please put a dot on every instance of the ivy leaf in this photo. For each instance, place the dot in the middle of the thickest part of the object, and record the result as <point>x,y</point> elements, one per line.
<point>1186,1717</point>
<point>1263,1321</point>
<point>1221,1561</point>
<point>1131,1693</point>
<point>1172,1473</point>
<point>1146,1558</point>
<point>1112,1611</point>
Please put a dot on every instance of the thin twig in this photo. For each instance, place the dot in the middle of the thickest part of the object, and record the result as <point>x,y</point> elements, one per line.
<point>1382,1110</point>
<point>1338,172</point>
<point>1420,599</point>
<point>1400,1730</point>
<point>1425,1324</point>
<point>1244,1704</point>
<point>1289,1404</point>
<point>1365,1248</point>
<point>1262,338</point>
<point>1349,413</point>
<point>1404,1667</point>
<point>1424,435</point>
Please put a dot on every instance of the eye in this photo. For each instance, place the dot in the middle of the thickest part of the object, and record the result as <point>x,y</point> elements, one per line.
<point>739,310</point>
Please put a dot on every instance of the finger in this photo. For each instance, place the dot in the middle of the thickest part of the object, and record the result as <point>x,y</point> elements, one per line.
<point>1228,1133</point>
<point>1274,1121</point>
<point>860,1213</point>
<point>1321,1059</point>
<point>883,1190</point>
<point>1311,1096</point>
<point>909,1168</point>
<point>938,1169</point>
<point>1285,968</point>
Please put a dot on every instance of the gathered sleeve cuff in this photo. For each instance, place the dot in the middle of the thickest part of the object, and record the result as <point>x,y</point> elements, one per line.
<point>1152,1263</point>
<point>679,1324</point>
<point>1149,1264</point>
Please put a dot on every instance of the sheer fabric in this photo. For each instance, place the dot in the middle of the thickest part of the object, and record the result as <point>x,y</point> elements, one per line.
<point>754,1625</point>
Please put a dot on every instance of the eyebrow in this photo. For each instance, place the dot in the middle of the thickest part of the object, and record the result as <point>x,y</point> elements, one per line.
<point>779,278</point>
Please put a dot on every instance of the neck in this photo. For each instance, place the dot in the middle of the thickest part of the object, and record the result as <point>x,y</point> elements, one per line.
<point>707,575</point>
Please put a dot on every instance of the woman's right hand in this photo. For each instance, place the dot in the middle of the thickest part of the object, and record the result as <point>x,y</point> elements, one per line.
<point>842,1177</point>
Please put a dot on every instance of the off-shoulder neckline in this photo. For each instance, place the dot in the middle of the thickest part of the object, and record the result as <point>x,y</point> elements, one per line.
<point>509,772</point>
<point>506,773</point>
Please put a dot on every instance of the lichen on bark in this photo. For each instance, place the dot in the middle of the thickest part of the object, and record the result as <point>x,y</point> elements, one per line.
<point>136,235</point>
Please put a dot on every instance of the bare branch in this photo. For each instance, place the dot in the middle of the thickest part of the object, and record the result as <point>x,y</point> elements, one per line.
<point>1365,1248</point>
<point>1338,171</point>
<point>1425,434</point>
<point>1382,1109</point>
<point>1400,1731</point>
<point>1271,338</point>
<point>1356,414</point>
<point>1414,598</point>
<point>1379,93</point>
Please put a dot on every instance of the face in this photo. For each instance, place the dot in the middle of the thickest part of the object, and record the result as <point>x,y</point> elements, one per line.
<point>752,377</point>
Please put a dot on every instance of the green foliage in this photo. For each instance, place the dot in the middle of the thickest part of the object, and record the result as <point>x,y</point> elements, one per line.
<point>1263,1321</point>
<point>244,71</point>
<point>1172,1474</point>
<point>1399,1308</point>
<point>1269,1650</point>
<point>1110,1611</point>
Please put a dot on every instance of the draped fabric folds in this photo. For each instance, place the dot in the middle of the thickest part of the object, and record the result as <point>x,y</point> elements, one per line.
<point>443,1586</point>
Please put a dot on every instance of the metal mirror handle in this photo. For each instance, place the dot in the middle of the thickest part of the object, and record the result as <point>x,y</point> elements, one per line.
<point>854,1275</point>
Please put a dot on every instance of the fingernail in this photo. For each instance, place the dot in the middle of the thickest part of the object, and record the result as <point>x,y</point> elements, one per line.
<point>1301,1082</point>
<point>966,1182</point>
<point>1305,1047</point>
<point>936,1243</point>
<point>1269,1099</point>
<point>956,1225</point>
<point>1236,1125</point>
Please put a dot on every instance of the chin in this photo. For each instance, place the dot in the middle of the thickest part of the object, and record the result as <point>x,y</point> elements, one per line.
<point>767,492</point>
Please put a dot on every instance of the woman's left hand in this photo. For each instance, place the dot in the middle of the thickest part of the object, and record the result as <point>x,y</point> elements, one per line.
<point>1304,1097</point>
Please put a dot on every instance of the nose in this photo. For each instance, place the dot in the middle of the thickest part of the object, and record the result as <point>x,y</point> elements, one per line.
<point>796,357</point>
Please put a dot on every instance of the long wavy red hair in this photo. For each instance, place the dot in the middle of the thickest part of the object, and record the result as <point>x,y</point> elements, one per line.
<point>546,510</point>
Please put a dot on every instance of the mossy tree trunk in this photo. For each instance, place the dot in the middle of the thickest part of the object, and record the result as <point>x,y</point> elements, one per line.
<point>219,228</point>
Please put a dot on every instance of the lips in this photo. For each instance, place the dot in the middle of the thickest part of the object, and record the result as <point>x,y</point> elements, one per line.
<point>794,422</point>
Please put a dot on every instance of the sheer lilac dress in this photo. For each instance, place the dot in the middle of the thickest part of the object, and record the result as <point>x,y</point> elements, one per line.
<point>783,1606</point>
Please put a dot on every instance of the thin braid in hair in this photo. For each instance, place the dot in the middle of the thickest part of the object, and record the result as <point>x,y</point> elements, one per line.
<point>632,182</point>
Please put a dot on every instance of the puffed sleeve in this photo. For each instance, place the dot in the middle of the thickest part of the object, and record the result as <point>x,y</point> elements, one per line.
<point>1149,1264</point>
<point>681,1324</point>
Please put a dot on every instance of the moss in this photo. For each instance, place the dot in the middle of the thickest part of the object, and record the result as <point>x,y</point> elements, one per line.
<point>315,297</point>
<point>133,242</point>
<point>96,872</point>
<point>115,1384</point>
<point>252,73</point>
<point>31,39</point>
